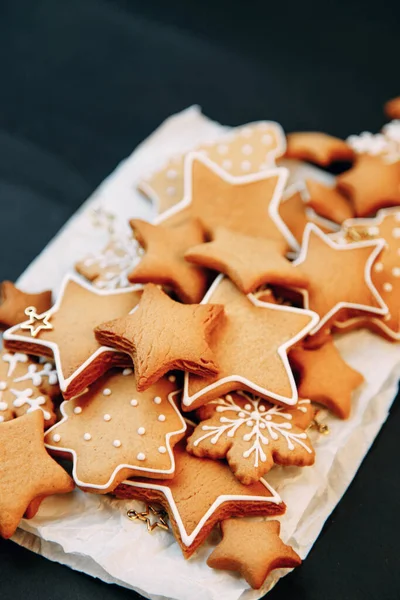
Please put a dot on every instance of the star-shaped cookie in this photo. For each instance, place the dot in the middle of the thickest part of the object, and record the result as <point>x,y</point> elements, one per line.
<point>253,435</point>
<point>372,183</point>
<point>254,549</point>
<point>385,271</point>
<point>26,386</point>
<point>248,261</point>
<point>164,263</point>
<point>326,378</point>
<point>317,147</point>
<point>202,493</point>
<point>27,473</point>
<point>78,357</point>
<point>247,204</point>
<point>113,432</point>
<point>14,301</point>
<point>242,150</point>
<point>250,345</point>
<point>339,279</point>
<point>328,202</point>
<point>162,335</point>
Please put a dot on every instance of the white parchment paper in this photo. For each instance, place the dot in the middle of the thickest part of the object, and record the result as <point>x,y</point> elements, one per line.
<point>91,533</point>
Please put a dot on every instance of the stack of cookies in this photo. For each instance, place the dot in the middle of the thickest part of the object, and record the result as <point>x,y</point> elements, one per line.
<point>193,356</point>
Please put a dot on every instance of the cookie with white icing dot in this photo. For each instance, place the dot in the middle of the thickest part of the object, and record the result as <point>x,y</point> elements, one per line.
<point>118,434</point>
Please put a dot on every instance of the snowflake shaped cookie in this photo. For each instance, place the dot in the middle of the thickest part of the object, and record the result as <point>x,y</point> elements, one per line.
<point>26,386</point>
<point>253,435</point>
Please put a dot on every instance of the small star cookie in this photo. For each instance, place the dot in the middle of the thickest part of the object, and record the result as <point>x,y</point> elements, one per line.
<point>13,303</point>
<point>202,493</point>
<point>326,378</point>
<point>339,279</point>
<point>328,202</point>
<point>113,432</point>
<point>164,263</point>
<point>162,335</point>
<point>254,549</point>
<point>78,357</point>
<point>248,261</point>
<point>253,435</point>
<point>318,148</point>
<point>250,345</point>
<point>27,473</point>
<point>26,386</point>
<point>248,149</point>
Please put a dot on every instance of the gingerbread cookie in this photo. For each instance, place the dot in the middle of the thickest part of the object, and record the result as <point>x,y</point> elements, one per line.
<point>248,261</point>
<point>253,435</point>
<point>66,331</point>
<point>254,549</point>
<point>328,202</point>
<point>113,432</point>
<point>13,303</point>
<point>164,263</point>
<point>339,279</point>
<point>202,493</point>
<point>326,378</point>
<point>109,269</point>
<point>248,149</point>
<point>318,148</point>
<point>250,345</point>
<point>26,386</point>
<point>27,473</point>
<point>248,204</point>
<point>162,335</point>
<point>392,108</point>
<point>385,271</point>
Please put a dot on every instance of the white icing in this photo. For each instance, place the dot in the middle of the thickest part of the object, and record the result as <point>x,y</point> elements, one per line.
<point>107,392</point>
<point>141,456</point>
<point>141,431</point>
<point>378,267</point>
<point>13,360</point>
<point>162,449</point>
<point>161,418</point>
<point>227,164</point>
<point>37,376</point>
<point>87,437</point>
<point>172,378</point>
<point>56,438</point>
<point>396,271</point>
<point>117,443</point>
<point>157,400</point>
<point>245,165</point>
<point>247,149</point>
<point>387,287</point>
<point>3,406</point>
<point>23,397</point>
<point>134,402</point>
<point>3,385</point>
<point>127,371</point>
<point>107,418</point>
<point>78,410</point>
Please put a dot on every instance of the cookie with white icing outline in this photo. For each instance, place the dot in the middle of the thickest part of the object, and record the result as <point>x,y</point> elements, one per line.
<point>26,386</point>
<point>14,301</point>
<point>69,336</point>
<point>340,281</point>
<point>253,435</point>
<point>202,492</point>
<point>250,345</point>
<point>247,149</point>
<point>113,432</point>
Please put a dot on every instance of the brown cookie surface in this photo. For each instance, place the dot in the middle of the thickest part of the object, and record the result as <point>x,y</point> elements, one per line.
<point>14,301</point>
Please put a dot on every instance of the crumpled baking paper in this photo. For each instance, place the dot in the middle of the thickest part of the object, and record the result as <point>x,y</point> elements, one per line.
<point>92,533</point>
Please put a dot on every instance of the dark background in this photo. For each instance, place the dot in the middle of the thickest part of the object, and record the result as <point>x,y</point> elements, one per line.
<point>82,82</point>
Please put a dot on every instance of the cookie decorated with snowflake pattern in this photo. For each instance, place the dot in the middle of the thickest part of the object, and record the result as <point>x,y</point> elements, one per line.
<point>243,150</point>
<point>113,432</point>
<point>26,386</point>
<point>253,435</point>
<point>109,268</point>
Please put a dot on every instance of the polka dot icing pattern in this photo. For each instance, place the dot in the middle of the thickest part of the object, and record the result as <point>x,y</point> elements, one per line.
<point>385,272</point>
<point>26,386</point>
<point>253,434</point>
<point>112,436</point>
<point>243,150</point>
<point>385,144</point>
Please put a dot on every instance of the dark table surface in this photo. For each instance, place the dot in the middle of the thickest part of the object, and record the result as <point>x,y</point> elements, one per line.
<point>83,82</point>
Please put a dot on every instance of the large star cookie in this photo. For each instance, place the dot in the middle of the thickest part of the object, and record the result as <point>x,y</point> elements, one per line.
<point>340,282</point>
<point>248,204</point>
<point>164,263</point>
<point>26,386</point>
<point>385,271</point>
<point>161,335</point>
<point>250,345</point>
<point>254,549</point>
<point>113,432</point>
<point>27,473</point>
<point>326,378</point>
<point>253,435</point>
<point>248,261</point>
<point>14,301</point>
<point>248,149</point>
<point>68,333</point>
<point>202,493</point>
